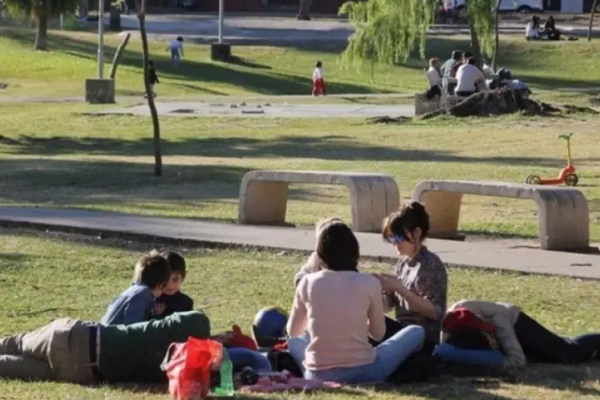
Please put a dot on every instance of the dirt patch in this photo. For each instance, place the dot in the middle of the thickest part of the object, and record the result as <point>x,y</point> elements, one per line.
<point>3,85</point>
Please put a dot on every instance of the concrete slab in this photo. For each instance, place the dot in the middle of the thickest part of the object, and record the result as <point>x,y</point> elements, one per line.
<point>485,255</point>
<point>188,109</point>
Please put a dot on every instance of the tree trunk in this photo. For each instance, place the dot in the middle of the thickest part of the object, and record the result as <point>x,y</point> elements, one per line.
<point>475,46</point>
<point>41,36</point>
<point>149,94</point>
<point>589,33</point>
<point>115,18</point>
<point>496,35</point>
<point>118,54</point>
<point>304,12</point>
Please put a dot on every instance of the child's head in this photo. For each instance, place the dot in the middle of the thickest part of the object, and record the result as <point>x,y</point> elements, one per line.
<point>456,55</point>
<point>467,55</point>
<point>319,64</point>
<point>178,271</point>
<point>153,271</point>
<point>434,62</point>
<point>337,247</point>
<point>407,228</point>
<point>179,39</point>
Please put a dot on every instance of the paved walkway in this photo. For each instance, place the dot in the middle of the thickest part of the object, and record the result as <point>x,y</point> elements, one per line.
<point>256,30</point>
<point>258,109</point>
<point>485,255</point>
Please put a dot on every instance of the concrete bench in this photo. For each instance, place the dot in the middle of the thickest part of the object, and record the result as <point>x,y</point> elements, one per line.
<point>264,196</point>
<point>423,106</point>
<point>563,215</point>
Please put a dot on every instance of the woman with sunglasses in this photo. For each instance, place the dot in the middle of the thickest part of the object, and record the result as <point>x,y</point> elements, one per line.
<point>418,290</point>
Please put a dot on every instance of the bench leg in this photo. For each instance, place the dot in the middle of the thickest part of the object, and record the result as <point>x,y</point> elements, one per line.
<point>564,222</point>
<point>263,203</point>
<point>444,212</point>
<point>371,201</point>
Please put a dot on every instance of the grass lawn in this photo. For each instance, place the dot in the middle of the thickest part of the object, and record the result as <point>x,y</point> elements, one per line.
<point>50,276</point>
<point>265,70</point>
<point>54,157</point>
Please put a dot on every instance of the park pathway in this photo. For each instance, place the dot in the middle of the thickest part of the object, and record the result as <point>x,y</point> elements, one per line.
<point>490,255</point>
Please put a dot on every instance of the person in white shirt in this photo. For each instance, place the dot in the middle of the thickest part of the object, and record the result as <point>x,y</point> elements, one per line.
<point>468,76</point>
<point>532,31</point>
<point>318,81</point>
<point>176,47</point>
<point>434,77</point>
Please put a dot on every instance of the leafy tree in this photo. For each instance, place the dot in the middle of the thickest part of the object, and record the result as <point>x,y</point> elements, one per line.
<point>388,31</point>
<point>149,95</point>
<point>40,11</point>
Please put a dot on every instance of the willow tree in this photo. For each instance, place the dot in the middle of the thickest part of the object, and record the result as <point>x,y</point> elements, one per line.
<point>388,31</point>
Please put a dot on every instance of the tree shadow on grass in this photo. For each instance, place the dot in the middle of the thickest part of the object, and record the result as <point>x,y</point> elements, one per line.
<point>247,76</point>
<point>333,147</point>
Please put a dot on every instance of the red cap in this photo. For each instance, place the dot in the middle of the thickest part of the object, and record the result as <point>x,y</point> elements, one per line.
<point>241,340</point>
<point>461,317</point>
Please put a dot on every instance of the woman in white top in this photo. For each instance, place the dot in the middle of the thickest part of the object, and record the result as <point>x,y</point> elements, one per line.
<point>468,76</point>
<point>434,77</point>
<point>340,308</point>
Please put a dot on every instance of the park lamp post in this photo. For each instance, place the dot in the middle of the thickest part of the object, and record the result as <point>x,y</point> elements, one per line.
<point>100,39</point>
<point>220,51</point>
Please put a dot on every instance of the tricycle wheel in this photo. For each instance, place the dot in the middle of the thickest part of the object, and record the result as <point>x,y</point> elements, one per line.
<point>571,180</point>
<point>533,180</point>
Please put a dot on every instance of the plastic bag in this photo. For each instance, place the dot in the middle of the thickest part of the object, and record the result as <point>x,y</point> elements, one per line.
<point>188,367</point>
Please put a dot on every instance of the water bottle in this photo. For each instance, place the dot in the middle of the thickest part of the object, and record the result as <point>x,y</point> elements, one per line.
<point>226,387</point>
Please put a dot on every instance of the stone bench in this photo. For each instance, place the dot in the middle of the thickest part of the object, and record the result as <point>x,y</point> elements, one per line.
<point>563,214</point>
<point>423,106</point>
<point>264,196</point>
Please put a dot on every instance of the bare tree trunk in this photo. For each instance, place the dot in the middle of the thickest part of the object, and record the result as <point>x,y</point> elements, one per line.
<point>589,33</point>
<point>475,46</point>
<point>118,54</point>
<point>304,12</point>
<point>149,94</point>
<point>115,18</point>
<point>41,36</point>
<point>496,35</point>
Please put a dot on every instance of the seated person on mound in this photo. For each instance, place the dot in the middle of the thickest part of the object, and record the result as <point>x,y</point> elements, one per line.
<point>136,303</point>
<point>340,308</point>
<point>172,299</point>
<point>470,324</point>
<point>447,67</point>
<point>85,352</point>
<point>434,76</point>
<point>417,291</point>
<point>468,77</point>
<point>313,264</point>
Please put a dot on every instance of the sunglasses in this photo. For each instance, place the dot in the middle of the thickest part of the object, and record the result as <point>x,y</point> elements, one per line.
<point>397,239</point>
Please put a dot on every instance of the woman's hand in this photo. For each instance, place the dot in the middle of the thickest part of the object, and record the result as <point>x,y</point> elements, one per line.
<point>390,283</point>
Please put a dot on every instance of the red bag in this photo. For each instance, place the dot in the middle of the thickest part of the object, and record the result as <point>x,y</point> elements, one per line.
<point>188,367</point>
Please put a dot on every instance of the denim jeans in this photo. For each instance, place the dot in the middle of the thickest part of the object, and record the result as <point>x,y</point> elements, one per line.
<point>390,355</point>
<point>241,357</point>
<point>175,56</point>
<point>541,345</point>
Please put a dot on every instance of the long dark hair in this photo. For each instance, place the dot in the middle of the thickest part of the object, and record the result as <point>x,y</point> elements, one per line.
<point>337,247</point>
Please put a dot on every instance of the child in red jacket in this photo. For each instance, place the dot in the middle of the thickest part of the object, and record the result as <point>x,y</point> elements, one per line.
<point>318,82</point>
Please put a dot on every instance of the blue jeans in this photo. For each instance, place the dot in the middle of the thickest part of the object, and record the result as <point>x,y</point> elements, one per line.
<point>390,355</point>
<point>175,56</point>
<point>241,357</point>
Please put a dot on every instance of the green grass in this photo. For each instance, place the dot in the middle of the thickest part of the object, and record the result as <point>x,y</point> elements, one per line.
<point>55,157</point>
<point>48,276</point>
<point>265,70</point>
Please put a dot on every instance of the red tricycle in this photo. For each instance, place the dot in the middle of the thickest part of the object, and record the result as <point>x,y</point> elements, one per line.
<point>567,175</point>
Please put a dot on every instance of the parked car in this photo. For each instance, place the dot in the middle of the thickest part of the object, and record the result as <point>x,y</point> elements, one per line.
<point>512,5</point>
